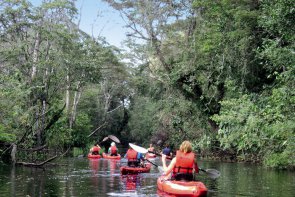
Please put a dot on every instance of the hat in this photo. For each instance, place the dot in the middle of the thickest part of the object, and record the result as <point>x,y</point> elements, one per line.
<point>113,144</point>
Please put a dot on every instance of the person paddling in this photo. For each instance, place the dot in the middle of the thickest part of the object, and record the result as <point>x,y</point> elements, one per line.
<point>95,149</point>
<point>134,158</point>
<point>167,151</point>
<point>151,148</point>
<point>113,150</point>
<point>183,165</point>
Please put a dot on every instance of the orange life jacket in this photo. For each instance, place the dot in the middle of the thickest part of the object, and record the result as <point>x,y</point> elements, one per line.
<point>131,155</point>
<point>113,150</point>
<point>184,162</point>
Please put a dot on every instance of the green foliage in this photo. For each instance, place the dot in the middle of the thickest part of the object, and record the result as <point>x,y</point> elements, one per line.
<point>264,126</point>
<point>278,19</point>
<point>238,125</point>
<point>231,60</point>
<point>280,160</point>
<point>6,136</point>
<point>46,61</point>
<point>81,130</point>
<point>59,135</point>
<point>141,122</point>
<point>77,151</point>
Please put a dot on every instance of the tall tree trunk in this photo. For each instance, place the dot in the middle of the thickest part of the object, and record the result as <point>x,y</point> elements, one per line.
<point>107,96</point>
<point>68,92</point>
<point>75,104</point>
<point>37,127</point>
<point>35,55</point>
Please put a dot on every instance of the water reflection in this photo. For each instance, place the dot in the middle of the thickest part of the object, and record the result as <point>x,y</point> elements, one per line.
<point>94,165</point>
<point>101,177</point>
<point>130,182</point>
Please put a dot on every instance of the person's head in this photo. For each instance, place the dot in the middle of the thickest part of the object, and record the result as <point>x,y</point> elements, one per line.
<point>186,147</point>
<point>113,144</point>
<point>151,145</point>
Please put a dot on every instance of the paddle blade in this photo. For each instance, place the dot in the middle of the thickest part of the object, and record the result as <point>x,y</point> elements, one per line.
<point>151,162</point>
<point>138,148</point>
<point>114,138</point>
<point>104,139</point>
<point>212,173</point>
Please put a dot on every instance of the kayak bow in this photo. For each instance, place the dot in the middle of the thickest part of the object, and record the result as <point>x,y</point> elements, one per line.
<point>181,188</point>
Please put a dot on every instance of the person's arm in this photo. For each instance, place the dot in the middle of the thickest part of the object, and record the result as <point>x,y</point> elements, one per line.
<point>196,167</point>
<point>168,169</point>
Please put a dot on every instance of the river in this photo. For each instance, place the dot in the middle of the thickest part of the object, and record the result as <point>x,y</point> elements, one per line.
<point>81,177</point>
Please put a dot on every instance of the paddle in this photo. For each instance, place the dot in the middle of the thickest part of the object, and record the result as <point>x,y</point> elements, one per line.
<point>104,139</point>
<point>142,150</point>
<point>160,168</point>
<point>114,138</point>
<point>212,173</point>
<point>151,162</point>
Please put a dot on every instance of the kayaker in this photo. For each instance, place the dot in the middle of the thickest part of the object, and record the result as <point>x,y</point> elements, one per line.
<point>95,149</point>
<point>183,165</point>
<point>167,151</point>
<point>113,150</point>
<point>134,158</point>
<point>151,148</point>
<point>140,159</point>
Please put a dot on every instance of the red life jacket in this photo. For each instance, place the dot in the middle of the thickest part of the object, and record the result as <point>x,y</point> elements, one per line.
<point>184,162</point>
<point>95,149</point>
<point>113,150</point>
<point>131,155</point>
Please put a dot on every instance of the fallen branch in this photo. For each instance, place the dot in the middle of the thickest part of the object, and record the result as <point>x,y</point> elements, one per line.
<point>96,129</point>
<point>37,164</point>
<point>42,163</point>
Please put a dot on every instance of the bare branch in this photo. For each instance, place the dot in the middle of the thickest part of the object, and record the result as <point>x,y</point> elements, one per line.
<point>96,129</point>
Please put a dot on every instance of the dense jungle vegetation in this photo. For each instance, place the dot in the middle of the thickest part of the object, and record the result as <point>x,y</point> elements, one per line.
<point>219,73</point>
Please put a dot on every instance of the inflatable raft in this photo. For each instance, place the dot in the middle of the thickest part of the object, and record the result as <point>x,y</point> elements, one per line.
<point>107,156</point>
<point>181,188</point>
<point>135,170</point>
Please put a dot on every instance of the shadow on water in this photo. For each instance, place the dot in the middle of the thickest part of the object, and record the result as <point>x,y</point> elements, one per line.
<point>101,177</point>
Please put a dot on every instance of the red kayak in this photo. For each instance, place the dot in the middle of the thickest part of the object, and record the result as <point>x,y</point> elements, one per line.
<point>93,156</point>
<point>107,156</point>
<point>150,156</point>
<point>135,170</point>
<point>180,188</point>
